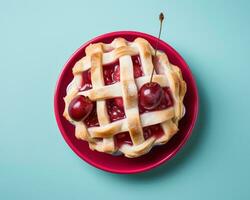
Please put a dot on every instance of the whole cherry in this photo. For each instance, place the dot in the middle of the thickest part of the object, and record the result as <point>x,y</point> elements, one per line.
<point>80,108</point>
<point>150,95</point>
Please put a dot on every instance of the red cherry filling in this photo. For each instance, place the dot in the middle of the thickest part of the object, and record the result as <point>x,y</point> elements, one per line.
<point>168,100</point>
<point>137,66</point>
<point>123,138</point>
<point>111,73</point>
<point>115,112</point>
<point>150,95</point>
<point>119,102</point>
<point>154,130</point>
<point>149,131</point>
<point>92,119</point>
<point>116,74</point>
<point>80,108</point>
<point>137,72</point>
<point>86,80</point>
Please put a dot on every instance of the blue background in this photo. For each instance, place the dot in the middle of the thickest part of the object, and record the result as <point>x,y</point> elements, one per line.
<point>36,39</point>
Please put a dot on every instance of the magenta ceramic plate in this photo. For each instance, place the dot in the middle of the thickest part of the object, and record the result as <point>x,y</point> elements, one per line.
<point>120,164</point>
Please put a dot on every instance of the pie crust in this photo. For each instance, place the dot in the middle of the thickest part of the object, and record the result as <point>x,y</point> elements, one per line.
<point>102,137</point>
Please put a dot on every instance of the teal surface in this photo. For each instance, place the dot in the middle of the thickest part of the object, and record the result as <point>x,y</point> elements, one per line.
<point>36,39</point>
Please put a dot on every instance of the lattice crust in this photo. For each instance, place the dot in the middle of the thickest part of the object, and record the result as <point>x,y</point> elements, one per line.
<point>167,75</point>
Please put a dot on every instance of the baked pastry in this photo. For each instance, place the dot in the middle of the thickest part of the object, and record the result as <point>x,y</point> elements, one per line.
<point>105,101</point>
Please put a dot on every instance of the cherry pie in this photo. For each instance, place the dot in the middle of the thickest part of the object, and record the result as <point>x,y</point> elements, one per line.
<point>107,103</point>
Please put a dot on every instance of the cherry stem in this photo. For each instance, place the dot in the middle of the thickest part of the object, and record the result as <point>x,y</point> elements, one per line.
<point>161,18</point>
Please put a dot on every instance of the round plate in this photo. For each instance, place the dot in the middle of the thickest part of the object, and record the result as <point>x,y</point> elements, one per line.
<point>121,164</point>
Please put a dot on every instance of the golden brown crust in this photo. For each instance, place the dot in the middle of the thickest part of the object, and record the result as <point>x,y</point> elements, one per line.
<point>95,52</point>
<point>130,93</point>
<point>106,131</point>
<point>145,52</point>
<point>123,51</point>
<point>135,130</point>
<point>168,75</point>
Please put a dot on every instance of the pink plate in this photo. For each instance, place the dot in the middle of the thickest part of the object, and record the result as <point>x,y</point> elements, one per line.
<point>121,164</point>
